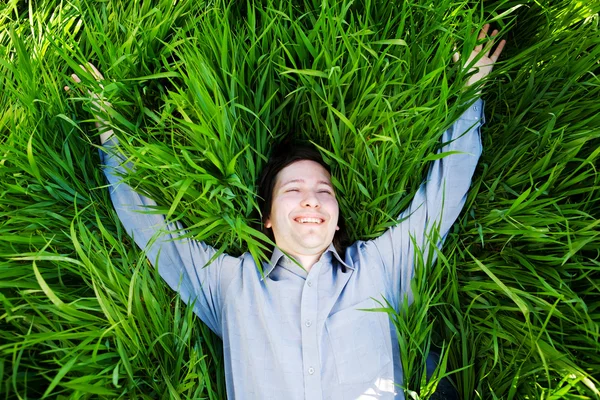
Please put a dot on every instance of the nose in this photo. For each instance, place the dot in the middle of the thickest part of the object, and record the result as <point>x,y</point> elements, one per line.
<point>310,200</point>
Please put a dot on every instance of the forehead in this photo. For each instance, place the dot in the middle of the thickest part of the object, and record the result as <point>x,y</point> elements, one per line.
<point>303,170</point>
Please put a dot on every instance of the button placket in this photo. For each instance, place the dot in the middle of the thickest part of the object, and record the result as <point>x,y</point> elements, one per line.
<point>310,347</point>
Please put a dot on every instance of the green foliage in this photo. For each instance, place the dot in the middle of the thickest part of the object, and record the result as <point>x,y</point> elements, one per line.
<point>201,91</point>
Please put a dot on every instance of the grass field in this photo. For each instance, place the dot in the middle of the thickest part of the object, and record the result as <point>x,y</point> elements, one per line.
<point>201,90</point>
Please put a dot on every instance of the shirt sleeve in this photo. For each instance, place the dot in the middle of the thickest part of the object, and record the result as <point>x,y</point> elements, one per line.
<point>436,205</point>
<point>182,262</point>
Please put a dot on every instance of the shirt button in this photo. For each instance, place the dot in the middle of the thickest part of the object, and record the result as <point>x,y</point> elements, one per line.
<point>309,283</point>
<point>311,371</point>
<point>308,322</point>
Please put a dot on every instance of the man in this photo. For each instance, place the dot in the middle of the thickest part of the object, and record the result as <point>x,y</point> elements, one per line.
<point>299,330</point>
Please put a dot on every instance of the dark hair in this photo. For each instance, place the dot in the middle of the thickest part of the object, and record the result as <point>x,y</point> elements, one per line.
<point>284,154</point>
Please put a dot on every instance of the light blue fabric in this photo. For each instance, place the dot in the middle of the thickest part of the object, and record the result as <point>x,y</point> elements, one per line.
<point>294,335</point>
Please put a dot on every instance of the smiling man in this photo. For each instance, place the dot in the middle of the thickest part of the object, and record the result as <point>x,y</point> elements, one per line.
<point>299,330</point>
<point>304,211</point>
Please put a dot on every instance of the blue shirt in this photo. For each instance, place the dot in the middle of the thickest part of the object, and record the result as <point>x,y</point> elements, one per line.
<point>295,335</point>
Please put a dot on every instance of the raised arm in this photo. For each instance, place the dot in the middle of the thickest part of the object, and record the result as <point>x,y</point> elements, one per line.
<point>99,105</point>
<point>440,199</point>
<point>182,263</point>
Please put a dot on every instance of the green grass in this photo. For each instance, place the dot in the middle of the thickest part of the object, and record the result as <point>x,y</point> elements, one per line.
<point>201,91</point>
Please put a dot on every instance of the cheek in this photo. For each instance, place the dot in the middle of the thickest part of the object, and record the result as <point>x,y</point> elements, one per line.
<point>333,207</point>
<point>280,208</point>
<point>333,203</point>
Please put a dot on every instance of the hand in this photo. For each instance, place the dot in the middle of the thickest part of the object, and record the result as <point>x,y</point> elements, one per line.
<point>99,104</point>
<point>484,64</point>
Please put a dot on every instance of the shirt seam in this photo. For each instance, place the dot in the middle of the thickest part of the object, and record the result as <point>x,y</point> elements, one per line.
<point>240,275</point>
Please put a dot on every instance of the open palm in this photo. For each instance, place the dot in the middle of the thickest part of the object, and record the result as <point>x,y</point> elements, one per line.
<point>483,64</point>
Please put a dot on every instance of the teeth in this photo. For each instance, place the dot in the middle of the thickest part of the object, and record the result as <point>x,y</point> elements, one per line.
<point>309,220</point>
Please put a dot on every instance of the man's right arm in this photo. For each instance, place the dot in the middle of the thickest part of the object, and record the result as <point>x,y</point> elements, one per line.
<point>181,262</point>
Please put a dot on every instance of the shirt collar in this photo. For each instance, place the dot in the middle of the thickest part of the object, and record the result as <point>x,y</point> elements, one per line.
<point>278,254</point>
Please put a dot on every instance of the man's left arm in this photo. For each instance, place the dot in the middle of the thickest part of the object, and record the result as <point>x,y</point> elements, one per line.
<point>434,208</point>
<point>440,199</point>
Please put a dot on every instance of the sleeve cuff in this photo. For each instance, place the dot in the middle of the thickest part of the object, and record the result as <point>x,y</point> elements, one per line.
<point>107,149</point>
<point>475,112</point>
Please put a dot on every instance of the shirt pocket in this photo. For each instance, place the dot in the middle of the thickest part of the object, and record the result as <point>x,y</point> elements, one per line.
<point>358,342</point>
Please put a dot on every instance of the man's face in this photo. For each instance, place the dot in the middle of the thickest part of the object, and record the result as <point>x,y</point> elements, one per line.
<point>304,210</point>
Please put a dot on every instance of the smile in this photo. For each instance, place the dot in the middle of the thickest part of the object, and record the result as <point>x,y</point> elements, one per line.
<point>309,220</point>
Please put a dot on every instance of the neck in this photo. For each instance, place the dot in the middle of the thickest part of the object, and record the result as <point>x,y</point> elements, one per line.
<point>307,261</point>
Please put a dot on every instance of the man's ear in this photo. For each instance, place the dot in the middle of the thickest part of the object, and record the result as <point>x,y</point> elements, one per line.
<point>268,223</point>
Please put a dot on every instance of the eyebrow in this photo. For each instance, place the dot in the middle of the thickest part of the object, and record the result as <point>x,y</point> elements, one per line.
<point>300,180</point>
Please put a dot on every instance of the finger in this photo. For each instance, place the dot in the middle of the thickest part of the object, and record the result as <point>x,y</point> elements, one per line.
<point>498,51</point>
<point>92,70</point>
<point>483,32</point>
<point>84,69</point>
<point>456,56</point>
<point>95,72</point>
<point>482,35</point>
<point>490,44</point>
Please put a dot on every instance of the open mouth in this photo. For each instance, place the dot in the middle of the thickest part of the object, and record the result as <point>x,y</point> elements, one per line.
<point>309,220</point>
